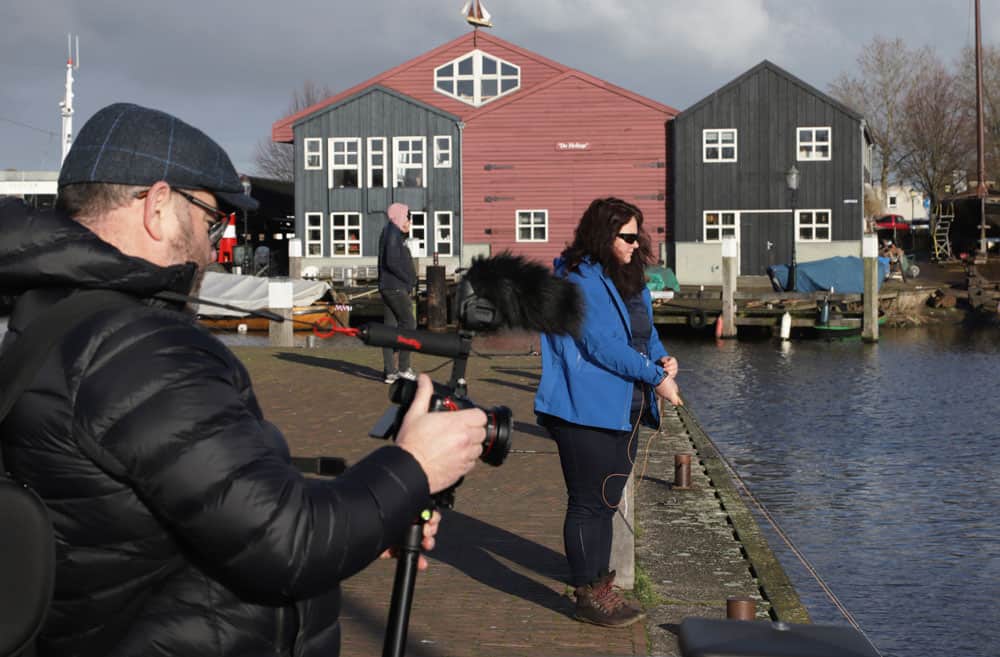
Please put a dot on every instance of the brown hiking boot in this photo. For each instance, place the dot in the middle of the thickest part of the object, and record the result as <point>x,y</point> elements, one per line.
<point>600,604</point>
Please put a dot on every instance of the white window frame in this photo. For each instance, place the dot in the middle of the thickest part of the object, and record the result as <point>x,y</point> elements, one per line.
<point>719,145</point>
<point>346,165</point>
<point>399,167</point>
<point>893,201</point>
<point>812,226</point>
<point>372,167</point>
<point>723,228</point>
<point>417,242</point>
<point>353,220</point>
<point>313,147</point>
<point>314,245</point>
<point>442,153</point>
<point>532,225</point>
<point>444,219</point>
<point>811,155</point>
<point>447,75</point>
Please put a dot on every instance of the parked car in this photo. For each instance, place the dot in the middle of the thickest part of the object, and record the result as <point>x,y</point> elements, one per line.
<point>891,222</point>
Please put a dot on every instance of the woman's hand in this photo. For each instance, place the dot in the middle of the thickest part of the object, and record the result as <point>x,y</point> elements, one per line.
<point>669,365</point>
<point>427,542</point>
<point>667,389</point>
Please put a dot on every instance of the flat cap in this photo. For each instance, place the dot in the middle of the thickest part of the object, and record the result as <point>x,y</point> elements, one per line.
<point>128,144</point>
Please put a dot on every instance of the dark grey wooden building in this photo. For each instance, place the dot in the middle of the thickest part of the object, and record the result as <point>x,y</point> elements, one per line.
<point>356,156</point>
<point>729,155</point>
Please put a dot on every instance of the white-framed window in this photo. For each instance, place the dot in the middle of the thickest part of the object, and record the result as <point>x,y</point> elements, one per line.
<point>892,201</point>
<point>719,145</point>
<point>417,241</point>
<point>345,234</point>
<point>409,163</point>
<point>443,236</point>
<point>717,224</point>
<point>442,152</point>
<point>813,143</point>
<point>376,162</point>
<point>477,78</point>
<point>345,162</point>
<point>314,234</point>
<point>532,225</point>
<point>812,225</point>
<point>313,148</point>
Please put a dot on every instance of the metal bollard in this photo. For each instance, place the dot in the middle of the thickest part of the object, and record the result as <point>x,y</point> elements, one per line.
<point>682,471</point>
<point>741,608</point>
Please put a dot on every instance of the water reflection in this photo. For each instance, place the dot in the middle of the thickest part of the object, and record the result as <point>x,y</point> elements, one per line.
<point>879,462</point>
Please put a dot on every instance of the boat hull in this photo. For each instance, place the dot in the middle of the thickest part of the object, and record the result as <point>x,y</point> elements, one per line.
<point>304,319</point>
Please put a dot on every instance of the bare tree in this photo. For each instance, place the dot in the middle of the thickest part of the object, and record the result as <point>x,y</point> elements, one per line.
<point>885,73</point>
<point>936,131</point>
<point>966,93</point>
<point>274,160</point>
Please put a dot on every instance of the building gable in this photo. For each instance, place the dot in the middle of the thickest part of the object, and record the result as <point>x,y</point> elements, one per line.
<point>415,78</point>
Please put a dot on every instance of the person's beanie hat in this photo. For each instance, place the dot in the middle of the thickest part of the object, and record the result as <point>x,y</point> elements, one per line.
<point>127,144</point>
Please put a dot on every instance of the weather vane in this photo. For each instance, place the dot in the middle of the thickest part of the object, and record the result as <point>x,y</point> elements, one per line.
<point>476,16</point>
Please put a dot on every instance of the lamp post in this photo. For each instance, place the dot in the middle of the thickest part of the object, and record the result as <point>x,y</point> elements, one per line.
<point>792,182</point>
<point>245,181</point>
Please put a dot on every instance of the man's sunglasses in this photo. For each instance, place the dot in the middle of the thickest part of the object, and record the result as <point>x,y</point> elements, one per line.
<point>629,238</point>
<point>220,219</point>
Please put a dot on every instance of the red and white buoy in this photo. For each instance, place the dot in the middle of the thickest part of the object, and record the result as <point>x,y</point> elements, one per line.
<point>228,242</point>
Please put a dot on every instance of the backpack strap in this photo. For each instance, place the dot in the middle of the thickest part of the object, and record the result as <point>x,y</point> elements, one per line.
<point>21,361</point>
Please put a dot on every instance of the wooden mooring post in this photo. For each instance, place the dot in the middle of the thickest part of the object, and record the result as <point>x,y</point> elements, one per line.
<point>295,258</point>
<point>280,299</point>
<point>869,254</point>
<point>729,287</point>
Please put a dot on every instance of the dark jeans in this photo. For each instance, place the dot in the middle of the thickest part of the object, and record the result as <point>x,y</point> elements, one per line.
<point>398,312</point>
<point>596,464</point>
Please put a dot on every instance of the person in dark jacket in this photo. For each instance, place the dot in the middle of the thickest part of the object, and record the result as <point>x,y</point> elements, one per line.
<point>597,388</point>
<point>182,527</point>
<point>396,280</point>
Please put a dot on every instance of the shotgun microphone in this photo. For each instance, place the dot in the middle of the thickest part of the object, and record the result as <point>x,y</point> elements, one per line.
<point>512,292</point>
<point>505,291</point>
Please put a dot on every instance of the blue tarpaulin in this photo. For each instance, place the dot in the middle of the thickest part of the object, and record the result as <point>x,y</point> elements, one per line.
<point>845,274</point>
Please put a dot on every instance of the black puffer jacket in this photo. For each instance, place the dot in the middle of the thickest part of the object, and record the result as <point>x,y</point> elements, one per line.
<point>182,528</point>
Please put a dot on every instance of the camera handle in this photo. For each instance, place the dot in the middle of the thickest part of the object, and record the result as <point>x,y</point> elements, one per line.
<point>402,589</point>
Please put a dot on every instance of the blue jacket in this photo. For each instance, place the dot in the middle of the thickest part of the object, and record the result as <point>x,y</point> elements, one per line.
<point>589,380</point>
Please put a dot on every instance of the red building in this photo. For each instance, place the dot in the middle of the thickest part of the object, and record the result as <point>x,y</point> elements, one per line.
<point>535,142</point>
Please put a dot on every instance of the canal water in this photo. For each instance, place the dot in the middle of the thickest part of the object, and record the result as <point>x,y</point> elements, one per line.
<point>882,465</point>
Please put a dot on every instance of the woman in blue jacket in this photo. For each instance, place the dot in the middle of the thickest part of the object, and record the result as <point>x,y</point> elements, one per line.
<point>597,388</point>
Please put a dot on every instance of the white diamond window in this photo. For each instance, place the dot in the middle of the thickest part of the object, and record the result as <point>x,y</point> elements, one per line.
<point>477,78</point>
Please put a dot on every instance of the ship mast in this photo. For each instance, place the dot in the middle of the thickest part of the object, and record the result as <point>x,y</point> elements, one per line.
<point>66,104</point>
<point>980,158</point>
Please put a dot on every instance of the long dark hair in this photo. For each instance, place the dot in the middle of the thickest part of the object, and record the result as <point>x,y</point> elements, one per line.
<point>595,234</point>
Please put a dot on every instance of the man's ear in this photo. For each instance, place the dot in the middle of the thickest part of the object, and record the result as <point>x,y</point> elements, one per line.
<point>158,204</point>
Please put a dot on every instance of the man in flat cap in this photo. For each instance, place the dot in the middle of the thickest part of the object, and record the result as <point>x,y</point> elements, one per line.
<point>182,527</point>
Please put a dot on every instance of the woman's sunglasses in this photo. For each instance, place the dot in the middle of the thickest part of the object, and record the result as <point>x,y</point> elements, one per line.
<point>629,238</point>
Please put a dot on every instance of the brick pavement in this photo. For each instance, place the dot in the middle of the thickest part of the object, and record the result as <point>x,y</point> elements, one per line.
<point>496,585</point>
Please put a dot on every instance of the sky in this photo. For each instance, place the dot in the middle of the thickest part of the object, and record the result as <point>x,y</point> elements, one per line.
<point>231,68</point>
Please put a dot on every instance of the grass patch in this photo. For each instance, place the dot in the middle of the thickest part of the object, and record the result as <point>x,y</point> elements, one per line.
<point>644,591</point>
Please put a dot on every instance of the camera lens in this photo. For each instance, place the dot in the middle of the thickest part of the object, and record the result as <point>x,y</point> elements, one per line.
<point>496,445</point>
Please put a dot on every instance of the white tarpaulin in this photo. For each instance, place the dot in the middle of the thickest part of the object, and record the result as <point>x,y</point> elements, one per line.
<point>250,292</point>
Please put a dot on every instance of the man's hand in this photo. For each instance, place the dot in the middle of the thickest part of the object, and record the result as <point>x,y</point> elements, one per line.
<point>667,389</point>
<point>427,543</point>
<point>446,445</point>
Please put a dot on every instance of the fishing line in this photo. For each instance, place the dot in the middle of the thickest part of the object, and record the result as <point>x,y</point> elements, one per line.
<point>781,533</point>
